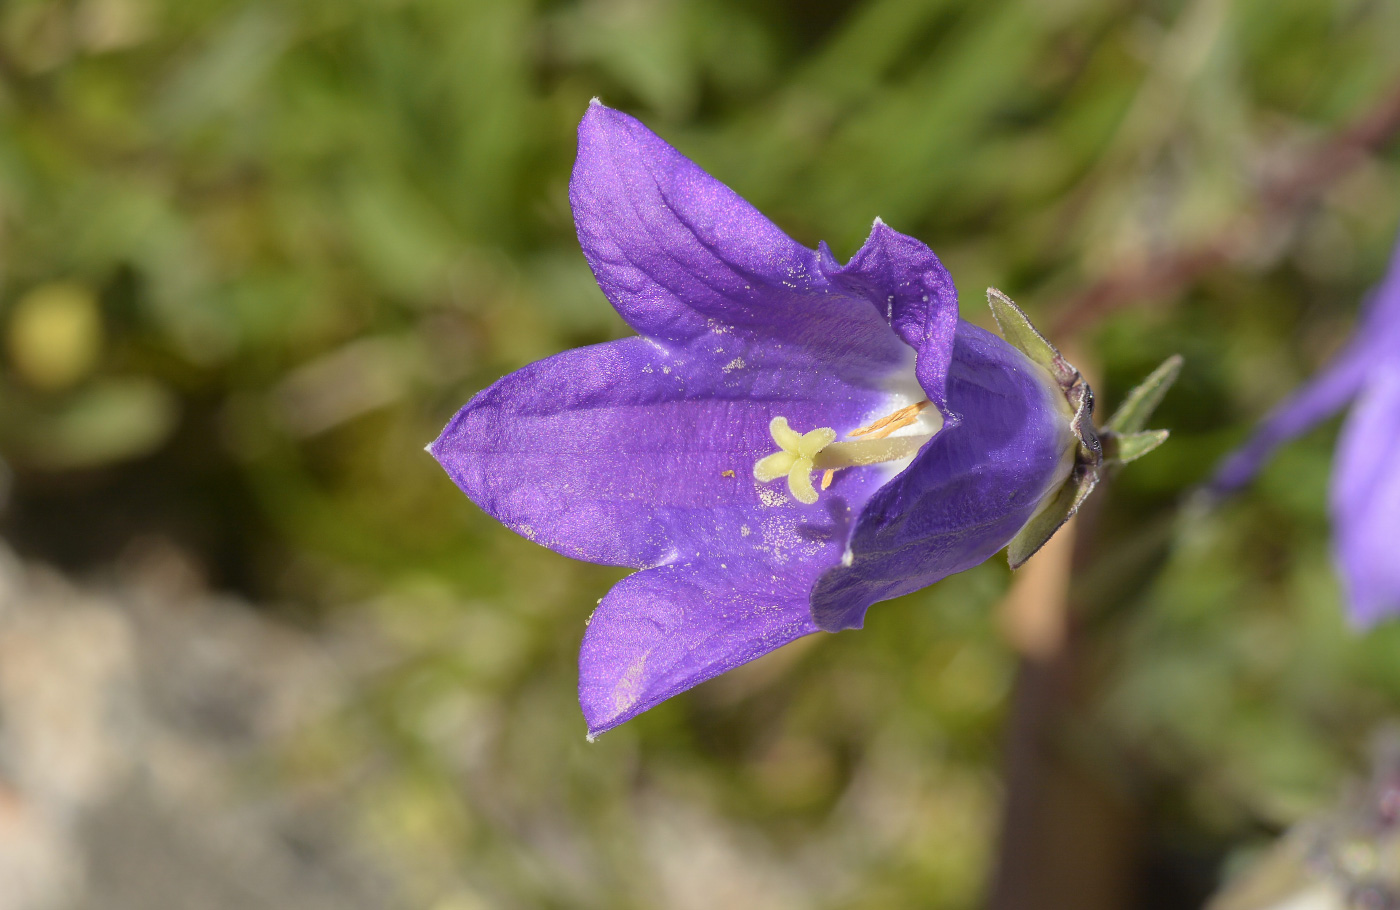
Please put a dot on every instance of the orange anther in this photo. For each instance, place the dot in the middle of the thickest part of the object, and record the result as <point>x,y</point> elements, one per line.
<point>889,423</point>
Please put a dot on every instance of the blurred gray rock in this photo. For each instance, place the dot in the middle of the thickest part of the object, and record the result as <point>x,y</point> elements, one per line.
<point>140,719</point>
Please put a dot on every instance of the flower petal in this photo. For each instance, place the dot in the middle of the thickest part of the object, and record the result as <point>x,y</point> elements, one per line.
<point>663,630</point>
<point>1366,499</point>
<point>627,454</point>
<point>1375,342</point>
<point>1325,395</point>
<point>967,492</point>
<point>907,284</point>
<point>680,255</point>
<point>1380,311</point>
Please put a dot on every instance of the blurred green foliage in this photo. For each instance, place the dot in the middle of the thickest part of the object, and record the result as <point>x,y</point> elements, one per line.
<point>255,253</point>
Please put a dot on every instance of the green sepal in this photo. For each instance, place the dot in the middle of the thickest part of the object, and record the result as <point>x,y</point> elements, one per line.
<point>1121,440</point>
<point>1131,446</point>
<point>1060,505</point>
<point>1018,332</point>
<point>1052,516</point>
<point>1132,415</point>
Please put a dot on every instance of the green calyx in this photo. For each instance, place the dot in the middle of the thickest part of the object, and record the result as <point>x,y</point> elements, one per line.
<point>1121,440</point>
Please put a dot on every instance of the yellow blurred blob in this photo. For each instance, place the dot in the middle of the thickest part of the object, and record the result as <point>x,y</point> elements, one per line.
<point>54,335</point>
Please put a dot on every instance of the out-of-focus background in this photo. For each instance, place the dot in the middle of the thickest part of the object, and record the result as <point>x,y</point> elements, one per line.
<point>257,651</point>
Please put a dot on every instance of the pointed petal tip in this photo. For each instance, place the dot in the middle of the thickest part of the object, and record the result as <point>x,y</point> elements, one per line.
<point>435,448</point>
<point>442,447</point>
<point>879,230</point>
<point>600,116</point>
<point>879,234</point>
<point>602,716</point>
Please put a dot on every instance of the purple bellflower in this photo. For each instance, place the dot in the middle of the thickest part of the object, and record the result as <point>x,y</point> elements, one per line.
<point>1365,494</point>
<point>787,441</point>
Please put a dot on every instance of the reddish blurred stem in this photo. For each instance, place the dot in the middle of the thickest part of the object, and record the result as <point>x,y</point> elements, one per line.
<point>1278,201</point>
<point>1067,841</point>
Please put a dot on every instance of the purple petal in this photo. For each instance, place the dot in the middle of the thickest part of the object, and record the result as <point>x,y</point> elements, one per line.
<point>1325,395</point>
<point>626,454</point>
<point>1375,341</point>
<point>1366,499</point>
<point>1380,312</point>
<point>969,490</point>
<point>663,630</point>
<point>681,256</point>
<point>640,452</point>
<point>908,284</point>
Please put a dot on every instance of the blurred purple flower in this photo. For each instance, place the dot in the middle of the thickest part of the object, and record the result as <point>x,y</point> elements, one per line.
<point>1365,495</point>
<point>664,452</point>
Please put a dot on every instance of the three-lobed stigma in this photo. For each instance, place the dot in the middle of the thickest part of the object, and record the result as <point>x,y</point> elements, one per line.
<point>799,455</point>
<point>795,458</point>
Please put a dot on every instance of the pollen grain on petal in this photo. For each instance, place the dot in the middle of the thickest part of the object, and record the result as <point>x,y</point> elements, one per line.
<point>628,688</point>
